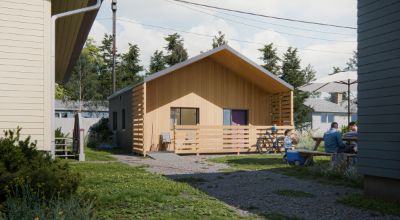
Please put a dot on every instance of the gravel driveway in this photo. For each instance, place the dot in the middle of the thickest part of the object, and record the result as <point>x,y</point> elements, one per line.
<point>255,191</point>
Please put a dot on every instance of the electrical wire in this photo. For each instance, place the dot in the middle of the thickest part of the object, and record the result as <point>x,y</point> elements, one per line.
<point>212,36</point>
<point>267,16</point>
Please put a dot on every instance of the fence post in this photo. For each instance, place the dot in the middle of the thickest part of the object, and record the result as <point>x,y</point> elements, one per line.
<point>81,144</point>
<point>197,140</point>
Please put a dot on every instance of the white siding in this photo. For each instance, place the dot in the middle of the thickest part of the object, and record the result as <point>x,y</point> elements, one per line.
<point>25,68</point>
<point>320,127</point>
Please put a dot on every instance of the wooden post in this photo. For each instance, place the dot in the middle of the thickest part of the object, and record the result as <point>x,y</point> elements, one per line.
<point>81,144</point>
<point>291,109</point>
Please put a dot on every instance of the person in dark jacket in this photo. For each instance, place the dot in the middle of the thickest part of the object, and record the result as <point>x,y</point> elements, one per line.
<point>333,139</point>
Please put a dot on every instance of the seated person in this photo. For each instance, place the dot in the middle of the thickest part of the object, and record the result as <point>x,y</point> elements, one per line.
<point>333,139</point>
<point>351,146</point>
<point>289,140</point>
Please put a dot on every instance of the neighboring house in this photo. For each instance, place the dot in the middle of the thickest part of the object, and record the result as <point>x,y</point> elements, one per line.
<point>217,88</point>
<point>26,82</point>
<point>379,97</point>
<point>67,109</point>
<point>92,113</point>
<point>325,112</point>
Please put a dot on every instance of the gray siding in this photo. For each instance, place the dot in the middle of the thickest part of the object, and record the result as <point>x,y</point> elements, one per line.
<point>379,87</point>
<point>122,137</point>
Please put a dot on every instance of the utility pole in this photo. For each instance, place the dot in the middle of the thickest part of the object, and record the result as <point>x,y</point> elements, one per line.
<point>114,10</point>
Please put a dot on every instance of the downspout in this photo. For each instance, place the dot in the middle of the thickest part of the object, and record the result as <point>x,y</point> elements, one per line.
<point>53,63</point>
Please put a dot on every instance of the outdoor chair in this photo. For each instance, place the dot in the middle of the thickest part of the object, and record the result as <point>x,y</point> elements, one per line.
<point>165,139</point>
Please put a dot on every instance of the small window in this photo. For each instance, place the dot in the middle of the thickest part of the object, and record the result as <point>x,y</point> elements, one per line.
<point>115,121</point>
<point>123,119</point>
<point>327,118</point>
<point>184,116</point>
<point>331,118</point>
<point>354,117</point>
<point>57,115</point>
<point>235,117</point>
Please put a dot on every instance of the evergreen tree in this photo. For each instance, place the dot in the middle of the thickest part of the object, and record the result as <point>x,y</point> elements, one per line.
<point>105,74</point>
<point>352,63</point>
<point>219,40</point>
<point>157,62</point>
<point>297,77</point>
<point>176,52</point>
<point>270,59</point>
<point>129,68</point>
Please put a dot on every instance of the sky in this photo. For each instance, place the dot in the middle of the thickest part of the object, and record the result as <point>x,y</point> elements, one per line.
<point>146,23</point>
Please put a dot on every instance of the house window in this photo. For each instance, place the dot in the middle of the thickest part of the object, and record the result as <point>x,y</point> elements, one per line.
<point>115,121</point>
<point>354,117</point>
<point>235,117</point>
<point>327,118</point>
<point>123,119</point>
<point>184,116</point>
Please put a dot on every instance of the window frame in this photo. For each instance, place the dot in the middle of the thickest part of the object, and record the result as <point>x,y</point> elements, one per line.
<point>123,119</point>
<point>115,120</point>
<point>234,109</point>
<point>179,122</point>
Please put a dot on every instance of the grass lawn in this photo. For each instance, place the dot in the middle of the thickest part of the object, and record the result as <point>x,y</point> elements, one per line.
<point>276,164</point>
<point>126,192</point>
<point>360,201</point>
<point>101,155</point>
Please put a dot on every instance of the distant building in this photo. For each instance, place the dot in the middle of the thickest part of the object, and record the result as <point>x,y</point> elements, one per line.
<point>325,112</point>
<point>89,109</point>
<point>92,113</point>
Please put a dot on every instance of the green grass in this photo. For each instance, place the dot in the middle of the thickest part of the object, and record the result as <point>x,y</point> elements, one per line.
<point>276,164</point>
<point>100,155</point>
<point>126,192</point>
<point>293,193</point>
<point>372,204</point>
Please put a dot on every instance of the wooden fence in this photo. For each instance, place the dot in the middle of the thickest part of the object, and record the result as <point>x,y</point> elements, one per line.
<point>282,109</point>
<point>138,111</point>
<point>197,139</point>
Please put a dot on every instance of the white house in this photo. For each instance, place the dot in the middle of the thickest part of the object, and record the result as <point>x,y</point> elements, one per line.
<point>325,112</point>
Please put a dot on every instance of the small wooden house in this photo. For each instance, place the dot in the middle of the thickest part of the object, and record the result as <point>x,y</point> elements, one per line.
<point>216,102</point>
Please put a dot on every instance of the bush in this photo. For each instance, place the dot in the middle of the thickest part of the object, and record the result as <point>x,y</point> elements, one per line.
<point>21,164</point>
<point>25,204</point>
<point>99,134</point>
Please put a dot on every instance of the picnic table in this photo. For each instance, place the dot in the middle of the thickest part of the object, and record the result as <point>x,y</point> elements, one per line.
<point>309,154</point>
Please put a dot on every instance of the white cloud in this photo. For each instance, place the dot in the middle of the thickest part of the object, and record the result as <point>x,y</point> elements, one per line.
<point>97,32</point>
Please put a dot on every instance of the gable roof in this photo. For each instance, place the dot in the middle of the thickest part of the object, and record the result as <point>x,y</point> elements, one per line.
<point>321,105</point>
<point>231,58</point>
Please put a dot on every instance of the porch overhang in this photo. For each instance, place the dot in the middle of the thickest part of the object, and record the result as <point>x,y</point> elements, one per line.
<point>71,34</point>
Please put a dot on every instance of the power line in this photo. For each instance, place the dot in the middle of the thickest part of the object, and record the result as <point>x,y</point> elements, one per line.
<point>212,36</point>
<point>279,25</point>
<point>262,28</point>
<point>267,16</point>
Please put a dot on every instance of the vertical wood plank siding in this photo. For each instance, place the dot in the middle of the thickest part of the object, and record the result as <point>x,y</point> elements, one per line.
<point>378,90</point>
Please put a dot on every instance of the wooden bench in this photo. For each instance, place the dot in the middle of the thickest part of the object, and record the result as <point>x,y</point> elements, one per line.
<point>309,154</point>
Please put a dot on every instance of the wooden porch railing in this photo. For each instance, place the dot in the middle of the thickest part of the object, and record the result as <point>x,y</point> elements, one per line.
<point>197,139</point>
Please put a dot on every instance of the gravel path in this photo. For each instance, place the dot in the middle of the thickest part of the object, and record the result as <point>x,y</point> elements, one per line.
<point>254,191</point>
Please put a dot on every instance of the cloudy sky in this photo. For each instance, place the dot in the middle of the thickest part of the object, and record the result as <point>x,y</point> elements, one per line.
<point>146,23</point>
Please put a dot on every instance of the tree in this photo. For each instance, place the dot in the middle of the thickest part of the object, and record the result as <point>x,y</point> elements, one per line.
<point>60,92</point>
<point>83,84</point>
<point>270,59</point>
<point>157,62</point>
<point>105,74</point>
<point>297,77</point>
<point>352,63</point>
<point>219,40</point>
<point>176,52</point>
<point>129,68</point>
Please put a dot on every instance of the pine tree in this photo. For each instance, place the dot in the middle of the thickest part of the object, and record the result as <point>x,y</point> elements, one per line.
<point>157,62</point>
<point>176,52</point>
<point>219,40</point>
<point>129,68</point>
<point>105,74</point>
<point>270,58</point>
<point>297,77</point>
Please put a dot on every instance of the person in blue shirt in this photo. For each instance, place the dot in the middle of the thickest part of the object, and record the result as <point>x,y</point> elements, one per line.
<point>333,139</point>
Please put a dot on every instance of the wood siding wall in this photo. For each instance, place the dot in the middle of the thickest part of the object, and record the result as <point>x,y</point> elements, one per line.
<point>138,106</point>
<point>378,90</point>
<point>208,86</point>
<point>25,68</point>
